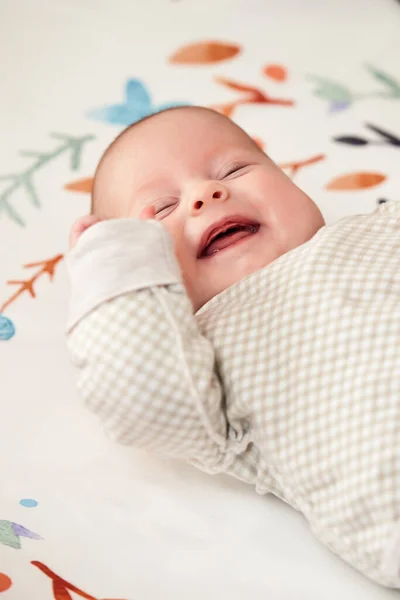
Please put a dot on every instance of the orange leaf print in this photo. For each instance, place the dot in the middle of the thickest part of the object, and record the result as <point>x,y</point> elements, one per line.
<point>259,142</point>
<point>276,72</point>
<point>201,53</point>
<point>294,167</point>
<point>5,582</point>
<point>355,181</point>
<point>62,587</point>
<point>27,285</point>
<point>81,185</point>
<point>253,94</point>
<point>225,109</point>
<point>239,87</point>
<point>60,592</point>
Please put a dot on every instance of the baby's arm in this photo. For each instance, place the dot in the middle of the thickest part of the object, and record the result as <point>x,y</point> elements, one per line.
<point>143,366</point>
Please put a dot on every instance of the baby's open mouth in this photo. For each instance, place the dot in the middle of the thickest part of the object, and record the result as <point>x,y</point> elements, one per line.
<point>227,235</point>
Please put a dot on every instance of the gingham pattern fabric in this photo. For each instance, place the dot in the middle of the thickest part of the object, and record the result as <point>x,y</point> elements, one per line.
<point>289,379</point>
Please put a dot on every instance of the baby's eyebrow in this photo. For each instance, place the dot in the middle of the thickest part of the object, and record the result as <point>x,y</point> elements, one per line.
<point>149,193</point>
<point>154,183</point>
<point>234,155</point>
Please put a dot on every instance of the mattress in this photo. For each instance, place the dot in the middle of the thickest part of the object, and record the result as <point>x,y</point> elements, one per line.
<point>317,84</point>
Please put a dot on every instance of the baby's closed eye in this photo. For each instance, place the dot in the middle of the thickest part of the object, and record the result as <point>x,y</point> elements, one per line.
<point>234,170</point>
<point>165,206</point>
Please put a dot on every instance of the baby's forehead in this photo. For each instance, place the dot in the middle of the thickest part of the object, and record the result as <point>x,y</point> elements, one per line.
<point>175,136</point>
<point>195,124</point>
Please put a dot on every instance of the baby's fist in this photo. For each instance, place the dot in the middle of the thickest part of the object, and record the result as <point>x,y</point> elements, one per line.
<point>80,226</point>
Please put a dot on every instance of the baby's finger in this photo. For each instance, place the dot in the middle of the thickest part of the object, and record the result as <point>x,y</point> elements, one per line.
<point>80,226</point>
<point>148,212</point>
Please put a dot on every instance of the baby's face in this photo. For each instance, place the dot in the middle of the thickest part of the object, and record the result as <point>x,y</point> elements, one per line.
<point>205,178</point>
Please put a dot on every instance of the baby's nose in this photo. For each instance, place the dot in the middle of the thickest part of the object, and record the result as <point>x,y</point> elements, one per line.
<point>206,193</point>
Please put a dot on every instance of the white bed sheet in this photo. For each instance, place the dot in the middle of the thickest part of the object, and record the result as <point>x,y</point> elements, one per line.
<point>80,517</point>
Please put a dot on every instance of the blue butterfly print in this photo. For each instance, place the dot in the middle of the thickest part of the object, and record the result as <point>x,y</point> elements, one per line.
<point>137,105</point>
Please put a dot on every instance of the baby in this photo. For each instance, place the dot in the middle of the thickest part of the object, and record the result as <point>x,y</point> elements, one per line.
<point>215,318</point>
<point>200,174</point>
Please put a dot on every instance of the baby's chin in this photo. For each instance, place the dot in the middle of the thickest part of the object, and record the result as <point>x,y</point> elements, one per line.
<point>224,270</point>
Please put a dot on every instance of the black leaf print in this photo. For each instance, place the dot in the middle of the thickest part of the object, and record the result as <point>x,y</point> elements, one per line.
<point>352,140</point>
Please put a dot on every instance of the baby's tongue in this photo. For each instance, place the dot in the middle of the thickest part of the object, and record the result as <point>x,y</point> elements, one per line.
<point>226,240</point>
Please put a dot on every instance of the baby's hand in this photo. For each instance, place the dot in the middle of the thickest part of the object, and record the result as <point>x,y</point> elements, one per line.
<point>80,226</point>
<point>84,223</point>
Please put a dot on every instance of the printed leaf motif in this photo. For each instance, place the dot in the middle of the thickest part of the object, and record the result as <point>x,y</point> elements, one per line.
<point>356,181</point>
<point>25,179</point>
<point>27,285</point>
<point>294,167</point>
<point>352,140</point>
<point>386,79</point>
<point>239,87</point>
<point>331,90</point>
<point>276,72</point>
<point>338,96</point>
<point>338,106</point>
<point>226,109</point>
<point>62,587</point>
<point>80,185</point>
<point>204,53</point>
<point>251,95</point>
<point>259,142</point>
<point>10,534</point>
<point>384,137</point>
<point>60,592</point>
<point>388,137</point>
<point>5,582</point>
<point>22,531</point>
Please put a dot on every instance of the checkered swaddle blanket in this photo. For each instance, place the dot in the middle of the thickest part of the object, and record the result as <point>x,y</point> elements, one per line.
<point>288,380</point>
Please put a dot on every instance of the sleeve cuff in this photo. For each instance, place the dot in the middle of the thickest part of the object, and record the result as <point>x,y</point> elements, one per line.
<point>116,257</point>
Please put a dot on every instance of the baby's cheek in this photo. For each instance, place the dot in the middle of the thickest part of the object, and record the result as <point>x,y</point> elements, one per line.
<point>134,212</point>
<point>181,254</point>
<point>185,266</point>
